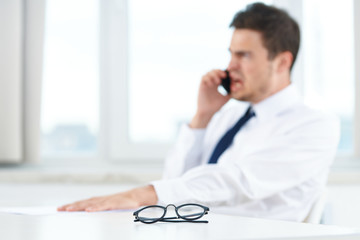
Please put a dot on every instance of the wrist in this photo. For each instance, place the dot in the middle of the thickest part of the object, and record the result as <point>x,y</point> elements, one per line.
<point>144,195</point>
<point>201,120</point>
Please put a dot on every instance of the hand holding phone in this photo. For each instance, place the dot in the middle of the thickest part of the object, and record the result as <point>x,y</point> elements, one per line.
<point>212,96</point>
<point>225,82</point>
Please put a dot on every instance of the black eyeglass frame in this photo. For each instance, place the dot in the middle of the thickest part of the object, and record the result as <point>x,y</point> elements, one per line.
<point>178,218</point>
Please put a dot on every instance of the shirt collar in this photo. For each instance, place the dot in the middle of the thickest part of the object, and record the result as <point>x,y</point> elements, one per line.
<point>277,103</point>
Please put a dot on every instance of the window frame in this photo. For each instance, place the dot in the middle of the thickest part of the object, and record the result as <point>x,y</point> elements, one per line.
<point>357,79</point>
<point>115,144</point>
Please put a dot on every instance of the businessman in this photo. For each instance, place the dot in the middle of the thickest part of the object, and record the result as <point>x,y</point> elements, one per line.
<point>267,155</point>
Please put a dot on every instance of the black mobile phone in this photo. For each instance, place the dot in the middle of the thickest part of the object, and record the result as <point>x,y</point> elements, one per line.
<point>225,82</point>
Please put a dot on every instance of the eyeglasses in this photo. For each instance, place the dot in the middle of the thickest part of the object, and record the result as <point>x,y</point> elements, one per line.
<point>189,212</point>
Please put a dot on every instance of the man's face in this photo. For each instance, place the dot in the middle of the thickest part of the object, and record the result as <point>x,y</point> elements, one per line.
<point>251,71</point>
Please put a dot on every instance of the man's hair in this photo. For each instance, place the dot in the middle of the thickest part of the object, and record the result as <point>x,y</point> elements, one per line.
<point>279,31</point>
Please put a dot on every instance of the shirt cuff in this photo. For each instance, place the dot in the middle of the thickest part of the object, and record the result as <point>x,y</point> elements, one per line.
<point>191,135</point>
<point>171,191</point>
<point>189,143</point>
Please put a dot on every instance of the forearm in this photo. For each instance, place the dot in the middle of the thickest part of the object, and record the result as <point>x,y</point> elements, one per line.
<point>143,195</point>
<point>200,120</point>
<point>201,184</point>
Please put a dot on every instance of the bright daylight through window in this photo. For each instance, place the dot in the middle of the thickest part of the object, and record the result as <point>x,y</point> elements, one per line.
<point>170,46</point>
<point>70,79</point>
<point>328,46</point>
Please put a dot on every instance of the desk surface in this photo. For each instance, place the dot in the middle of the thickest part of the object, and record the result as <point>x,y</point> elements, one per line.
<point>120,225</point>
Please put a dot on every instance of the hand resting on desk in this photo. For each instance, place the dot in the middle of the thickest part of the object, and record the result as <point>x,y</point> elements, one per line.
<point>131,199</point>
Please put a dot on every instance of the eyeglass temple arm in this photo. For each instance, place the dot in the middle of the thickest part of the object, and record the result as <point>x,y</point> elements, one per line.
<point>189,215</point>
<point>191,221</point>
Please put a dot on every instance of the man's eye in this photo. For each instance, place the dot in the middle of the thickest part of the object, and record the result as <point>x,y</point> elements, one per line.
<point>243,55</point>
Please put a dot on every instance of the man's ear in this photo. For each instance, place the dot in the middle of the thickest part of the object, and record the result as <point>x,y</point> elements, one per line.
<point>283,61</point>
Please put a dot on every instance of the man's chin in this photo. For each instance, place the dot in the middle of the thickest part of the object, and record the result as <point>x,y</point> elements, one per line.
<point>241,97</point>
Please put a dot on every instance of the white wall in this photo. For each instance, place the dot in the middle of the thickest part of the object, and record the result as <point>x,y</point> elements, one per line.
<point>10,80</point>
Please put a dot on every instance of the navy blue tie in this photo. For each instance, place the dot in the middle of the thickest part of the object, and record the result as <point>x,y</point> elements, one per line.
<point>228,138</point>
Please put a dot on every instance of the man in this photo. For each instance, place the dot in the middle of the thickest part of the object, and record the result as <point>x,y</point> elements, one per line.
<point>267,156</point>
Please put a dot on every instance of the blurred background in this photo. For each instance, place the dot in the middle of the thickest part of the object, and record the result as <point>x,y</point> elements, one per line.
<point>94,91</point>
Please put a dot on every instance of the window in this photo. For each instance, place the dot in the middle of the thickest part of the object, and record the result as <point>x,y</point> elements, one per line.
<point>70,99</point>
<point>328,47</point>
<point>120,77</point>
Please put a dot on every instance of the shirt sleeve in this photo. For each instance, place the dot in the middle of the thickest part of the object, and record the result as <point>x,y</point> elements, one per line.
<point>186,152</point>
<point>278,165</point>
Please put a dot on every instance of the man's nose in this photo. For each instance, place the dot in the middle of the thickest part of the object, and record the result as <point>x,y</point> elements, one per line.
<point>233,65</point>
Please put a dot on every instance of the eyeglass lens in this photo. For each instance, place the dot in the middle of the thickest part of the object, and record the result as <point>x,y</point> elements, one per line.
<point>190,212</point>
<point>151,213</point>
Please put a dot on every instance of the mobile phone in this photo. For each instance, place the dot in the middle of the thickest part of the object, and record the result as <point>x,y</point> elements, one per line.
<point>225,82</point>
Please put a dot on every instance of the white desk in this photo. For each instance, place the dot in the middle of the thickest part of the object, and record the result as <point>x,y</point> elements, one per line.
<point>120,225</point>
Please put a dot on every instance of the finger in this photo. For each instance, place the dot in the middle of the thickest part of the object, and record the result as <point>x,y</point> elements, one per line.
<point>78,206</point>
<point>65,207</point>
<point>103,205</point>
<point>221,73</point>
<point>94,208</point>
<point>61,209</point>
<point>214,77</point>
<point>211,80</point>
<point>97,208</point>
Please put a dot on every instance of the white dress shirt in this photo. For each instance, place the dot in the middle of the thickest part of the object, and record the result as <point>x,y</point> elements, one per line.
<point>276,167</point>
